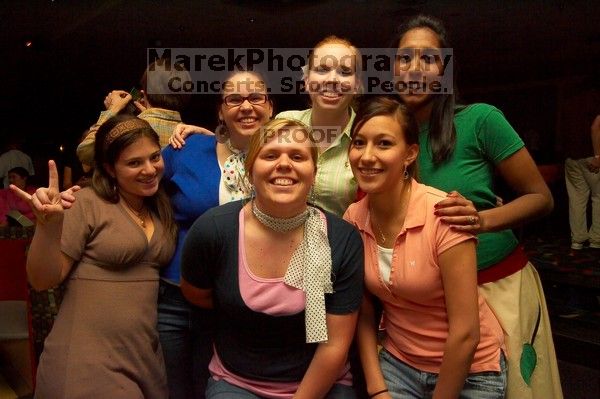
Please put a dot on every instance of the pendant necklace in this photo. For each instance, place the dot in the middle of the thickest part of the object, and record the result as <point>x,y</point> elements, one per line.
<point>140,215</point>
<point>383,238</point>
<point>376,225</point>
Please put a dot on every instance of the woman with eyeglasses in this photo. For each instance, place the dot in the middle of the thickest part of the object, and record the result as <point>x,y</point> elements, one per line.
<point>332,80</point>
<point>208,171</point>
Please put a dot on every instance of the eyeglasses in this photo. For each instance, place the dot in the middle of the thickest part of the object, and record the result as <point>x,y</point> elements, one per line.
<point>235,100</point>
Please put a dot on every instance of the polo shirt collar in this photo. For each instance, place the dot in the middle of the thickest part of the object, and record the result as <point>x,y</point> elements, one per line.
<point>415,215</point>
<point>348,129</point>
<point>417,209</point>
<point>346,133</point>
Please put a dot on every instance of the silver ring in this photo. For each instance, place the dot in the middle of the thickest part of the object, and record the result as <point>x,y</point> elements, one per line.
<point>472,220</point>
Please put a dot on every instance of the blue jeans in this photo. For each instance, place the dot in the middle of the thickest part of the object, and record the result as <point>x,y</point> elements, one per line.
<point>404,381</point>
<point>223,390</point>
<point>185,334</point>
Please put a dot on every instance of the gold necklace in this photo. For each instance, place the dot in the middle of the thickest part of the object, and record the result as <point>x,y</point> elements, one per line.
<point>140,215</point>
<point>383,238</point>
<point>405,204</point>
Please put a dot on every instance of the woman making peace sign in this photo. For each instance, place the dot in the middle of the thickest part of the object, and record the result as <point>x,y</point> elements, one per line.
<point>108,240</point>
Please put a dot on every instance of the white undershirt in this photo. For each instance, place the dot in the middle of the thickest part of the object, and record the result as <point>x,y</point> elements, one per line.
<point>385,262</point>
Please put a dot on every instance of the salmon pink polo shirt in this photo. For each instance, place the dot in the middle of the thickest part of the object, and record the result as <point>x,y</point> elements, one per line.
<point>415,315</point>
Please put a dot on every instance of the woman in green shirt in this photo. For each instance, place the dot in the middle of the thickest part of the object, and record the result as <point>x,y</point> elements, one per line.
<point>461,149</point>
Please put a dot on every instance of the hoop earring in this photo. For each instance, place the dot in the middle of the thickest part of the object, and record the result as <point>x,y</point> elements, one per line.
<point>221,132</point>
<point>406,174</point>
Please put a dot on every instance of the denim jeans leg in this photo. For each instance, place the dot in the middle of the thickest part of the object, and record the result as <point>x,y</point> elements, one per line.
<point>174,334</point>
<point>402,381</point>
<point>223,390</point>
<point>340,391</point>
<point>486,385</point>
<point>185,334</point>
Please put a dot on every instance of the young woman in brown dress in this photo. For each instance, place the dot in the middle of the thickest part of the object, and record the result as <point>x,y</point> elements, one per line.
<point>108,241</point>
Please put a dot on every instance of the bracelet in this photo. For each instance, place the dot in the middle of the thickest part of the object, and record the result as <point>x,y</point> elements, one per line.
<point>371,396</point>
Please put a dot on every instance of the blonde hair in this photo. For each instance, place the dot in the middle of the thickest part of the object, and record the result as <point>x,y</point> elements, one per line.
<point>332,39</point>
<point>270,130</point>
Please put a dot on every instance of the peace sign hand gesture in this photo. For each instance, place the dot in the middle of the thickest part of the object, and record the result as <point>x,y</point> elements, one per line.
<point>48,203</point>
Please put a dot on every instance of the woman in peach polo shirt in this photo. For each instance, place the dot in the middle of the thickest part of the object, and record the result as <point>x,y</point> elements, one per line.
<point>442,340</point>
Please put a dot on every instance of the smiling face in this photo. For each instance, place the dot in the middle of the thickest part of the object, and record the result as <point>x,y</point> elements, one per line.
<point>379,155</point>
<point>138,169</point>
<point>283,172</point>
<point>416,62</point>
<point>244,119</point>
<point>332,80</point>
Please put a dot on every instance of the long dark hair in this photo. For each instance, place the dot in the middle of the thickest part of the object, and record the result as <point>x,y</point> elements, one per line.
<point>442,133</point>
<point>107,150</point>
<point>373,106</point>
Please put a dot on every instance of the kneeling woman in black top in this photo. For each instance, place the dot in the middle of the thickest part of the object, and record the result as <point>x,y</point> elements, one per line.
<point>285,278</point>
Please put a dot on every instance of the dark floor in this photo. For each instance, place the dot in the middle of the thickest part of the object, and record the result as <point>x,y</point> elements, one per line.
<point>579,382</point>
<point>571,281</point>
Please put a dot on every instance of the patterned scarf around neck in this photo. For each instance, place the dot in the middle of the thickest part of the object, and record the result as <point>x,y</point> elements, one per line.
<point>310,266</point>
<point>234,174</point>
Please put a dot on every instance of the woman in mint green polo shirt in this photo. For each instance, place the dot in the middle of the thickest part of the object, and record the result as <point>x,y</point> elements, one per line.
<point>331,80</point>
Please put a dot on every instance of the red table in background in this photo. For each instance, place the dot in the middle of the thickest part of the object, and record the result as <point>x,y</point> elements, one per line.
<point>14,287</point>
<point>13,277</point>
